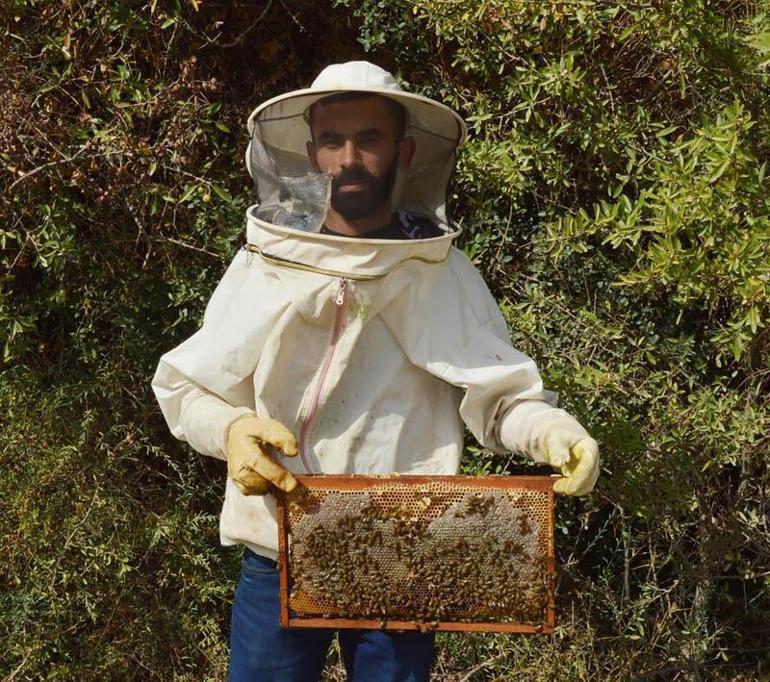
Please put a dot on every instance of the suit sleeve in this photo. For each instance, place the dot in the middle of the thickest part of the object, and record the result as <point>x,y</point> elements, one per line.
<point>206,382</point>
<point>462,338</point>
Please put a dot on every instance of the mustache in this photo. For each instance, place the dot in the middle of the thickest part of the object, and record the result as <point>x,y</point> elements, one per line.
<point>352,175</point>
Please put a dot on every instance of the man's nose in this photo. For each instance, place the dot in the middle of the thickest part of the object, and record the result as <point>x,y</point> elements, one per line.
<point>350,155</point>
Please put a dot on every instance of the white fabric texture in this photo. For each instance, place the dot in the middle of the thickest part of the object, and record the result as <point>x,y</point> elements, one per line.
<point>373,352</point>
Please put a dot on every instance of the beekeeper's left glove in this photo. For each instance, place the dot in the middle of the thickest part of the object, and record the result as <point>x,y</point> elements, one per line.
<point>567,447</point>
<point>249,464</point>
<point>552,436</point>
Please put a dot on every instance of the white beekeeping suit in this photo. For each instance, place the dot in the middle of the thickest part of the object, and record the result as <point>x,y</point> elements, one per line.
<point>372,351</point>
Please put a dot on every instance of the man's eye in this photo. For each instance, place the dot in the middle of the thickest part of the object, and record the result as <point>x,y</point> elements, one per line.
<point>369,139</point>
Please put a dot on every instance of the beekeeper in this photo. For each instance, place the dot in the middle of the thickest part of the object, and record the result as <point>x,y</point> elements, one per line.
<point>350,336</point>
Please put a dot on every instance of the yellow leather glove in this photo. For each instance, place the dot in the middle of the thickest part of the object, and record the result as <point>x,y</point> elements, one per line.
<point>249,464</point>
<point>567,447</point>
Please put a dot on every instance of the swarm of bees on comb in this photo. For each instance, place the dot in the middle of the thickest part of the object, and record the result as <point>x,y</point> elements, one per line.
<point>430,553</point>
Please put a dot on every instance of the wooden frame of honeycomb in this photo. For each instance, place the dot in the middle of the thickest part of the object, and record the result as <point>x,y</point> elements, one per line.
<point>405,552</point>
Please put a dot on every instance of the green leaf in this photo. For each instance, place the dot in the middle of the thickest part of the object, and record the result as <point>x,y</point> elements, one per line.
<point>222,193</point>
<point>188,193</point>
<point>720,171</point>
<point>666,131</point>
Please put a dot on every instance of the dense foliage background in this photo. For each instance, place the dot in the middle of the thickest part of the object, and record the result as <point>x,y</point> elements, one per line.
<point>613,193</point>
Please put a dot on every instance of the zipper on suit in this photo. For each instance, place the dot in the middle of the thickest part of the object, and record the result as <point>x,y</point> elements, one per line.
<point>353,276</point>
<point>338,326</point>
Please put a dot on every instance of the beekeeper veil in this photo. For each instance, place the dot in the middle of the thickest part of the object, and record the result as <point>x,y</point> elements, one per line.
<point>291,194</point>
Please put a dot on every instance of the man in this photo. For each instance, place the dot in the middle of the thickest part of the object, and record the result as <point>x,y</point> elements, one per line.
<point>349,336</point>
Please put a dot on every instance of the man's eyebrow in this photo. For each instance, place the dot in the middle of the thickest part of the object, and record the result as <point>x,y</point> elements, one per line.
<point>369,132</point>
<point>328,136</point>
<point>331,136</point>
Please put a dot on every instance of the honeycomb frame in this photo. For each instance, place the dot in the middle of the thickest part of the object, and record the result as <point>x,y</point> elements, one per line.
<point>422,509</point>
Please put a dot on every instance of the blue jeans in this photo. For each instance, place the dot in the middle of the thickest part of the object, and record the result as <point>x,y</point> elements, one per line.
<point>262,651</point>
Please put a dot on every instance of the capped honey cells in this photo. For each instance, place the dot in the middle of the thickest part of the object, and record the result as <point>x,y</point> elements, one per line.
<point>429,553</point>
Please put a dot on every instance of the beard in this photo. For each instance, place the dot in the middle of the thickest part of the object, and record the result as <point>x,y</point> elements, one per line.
<point>359,204</point>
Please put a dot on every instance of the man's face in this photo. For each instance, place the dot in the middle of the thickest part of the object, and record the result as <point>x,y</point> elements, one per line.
<point>357,141</point>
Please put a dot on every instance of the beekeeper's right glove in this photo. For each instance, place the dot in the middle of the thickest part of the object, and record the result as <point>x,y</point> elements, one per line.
<point>249,464</point>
